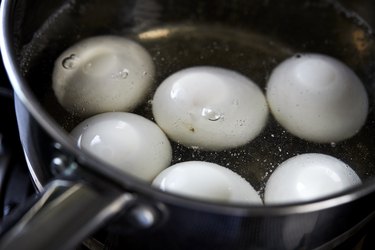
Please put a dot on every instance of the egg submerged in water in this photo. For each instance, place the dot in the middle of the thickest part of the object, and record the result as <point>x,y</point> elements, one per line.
<point>102,74</point>
<point>126,141</point>
<point>317,98</point>
<point>307,177</point>
<point>210,108</point>
<point>206,181</point>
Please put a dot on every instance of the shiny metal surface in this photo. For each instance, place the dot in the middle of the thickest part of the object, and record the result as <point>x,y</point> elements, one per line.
<point>54,221</point>
<point>189,223</point>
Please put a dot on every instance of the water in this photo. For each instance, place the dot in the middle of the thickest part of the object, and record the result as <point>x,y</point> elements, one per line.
<point>249,54</point>
<point>247,46</point>
<point>254,56</point>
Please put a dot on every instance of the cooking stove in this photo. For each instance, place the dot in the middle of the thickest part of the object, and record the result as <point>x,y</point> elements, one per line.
<point>16,186</point>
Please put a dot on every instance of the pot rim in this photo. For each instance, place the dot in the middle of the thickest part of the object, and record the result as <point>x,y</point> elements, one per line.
<point>28,99</point>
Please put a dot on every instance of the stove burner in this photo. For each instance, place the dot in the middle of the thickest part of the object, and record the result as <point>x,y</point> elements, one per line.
<point>15,183</point>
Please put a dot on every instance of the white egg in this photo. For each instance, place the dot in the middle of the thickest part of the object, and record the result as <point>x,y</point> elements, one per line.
<point>206,181</point>
<point>317,98</point>
<point>102,74</point>
<point>210,108</point>
<point>307,177</point>
<point>127,141</point>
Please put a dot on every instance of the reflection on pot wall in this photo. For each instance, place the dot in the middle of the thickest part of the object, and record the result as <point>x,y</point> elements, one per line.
<point>294,235</point>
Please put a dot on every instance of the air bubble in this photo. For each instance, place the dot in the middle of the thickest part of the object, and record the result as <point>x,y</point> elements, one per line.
<point>122,74</point>
<point>211,114</point>
<point>70,61</point>
<point>87,68</point>
<point>236,102</point>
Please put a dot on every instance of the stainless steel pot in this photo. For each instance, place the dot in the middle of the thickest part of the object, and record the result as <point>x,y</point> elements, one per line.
<point>79,193</point>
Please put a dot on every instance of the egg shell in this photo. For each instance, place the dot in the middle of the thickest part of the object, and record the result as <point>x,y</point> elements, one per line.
<point>206,181</point>
<point>307,177</point>
<point>210,108</point>
<point>102,74</point>
<point>317,98</point>
<point>126,141</point>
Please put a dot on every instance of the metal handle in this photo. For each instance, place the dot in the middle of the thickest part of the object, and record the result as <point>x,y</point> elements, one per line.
<point>64,215</point>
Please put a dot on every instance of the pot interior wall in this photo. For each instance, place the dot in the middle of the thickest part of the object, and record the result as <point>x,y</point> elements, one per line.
<point>250,37</point>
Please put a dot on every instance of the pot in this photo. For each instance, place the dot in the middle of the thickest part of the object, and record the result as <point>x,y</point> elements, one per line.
<point>80,194</point>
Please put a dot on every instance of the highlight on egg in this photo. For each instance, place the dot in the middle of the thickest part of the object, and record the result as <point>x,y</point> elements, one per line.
<point>102,74</point>
<point>317,98</point>
<point>307,177</point>
<point>206,181</point>
<point>126,141</point>
<point>210,108</point>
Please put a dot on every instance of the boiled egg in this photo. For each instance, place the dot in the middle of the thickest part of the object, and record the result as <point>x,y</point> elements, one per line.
<point>102,74</point>
<point>307,177</point>
<point>126,141</point>
<point>317,98</point>
<point>210,108</point>
<point>206,181</point>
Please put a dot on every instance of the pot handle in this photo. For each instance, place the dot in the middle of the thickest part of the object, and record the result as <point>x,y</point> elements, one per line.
<point>64,215</point>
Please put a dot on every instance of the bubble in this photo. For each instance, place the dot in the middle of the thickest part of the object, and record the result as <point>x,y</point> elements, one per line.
<point>241,122</point>
<point>333,144</point>
<point>88,68</point>
<point>121,75</point>
<point>236,102</point>
<point>211,114</point>
<point>70,61</point>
